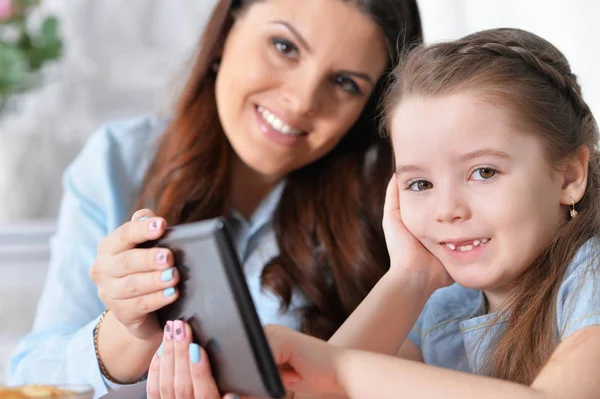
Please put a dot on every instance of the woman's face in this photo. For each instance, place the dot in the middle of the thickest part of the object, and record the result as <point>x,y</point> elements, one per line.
<point>294,77</point>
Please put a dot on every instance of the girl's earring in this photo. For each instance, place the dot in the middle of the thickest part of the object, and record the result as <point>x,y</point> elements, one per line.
<point>572,210</point>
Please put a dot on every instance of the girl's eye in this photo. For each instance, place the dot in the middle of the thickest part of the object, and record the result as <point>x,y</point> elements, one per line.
<point>420,185</point>
<point>483,173</point>
<point>347,84</point>
<point>285,47</point>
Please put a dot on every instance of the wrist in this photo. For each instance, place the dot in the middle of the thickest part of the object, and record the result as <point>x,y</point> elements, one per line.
<point>114,342</point>
<point>417,282</point>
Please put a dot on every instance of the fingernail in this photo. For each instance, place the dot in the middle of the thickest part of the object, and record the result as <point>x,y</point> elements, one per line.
<point>169,291</point>
<point>167,275</point>
<point>195,353</point>
<point>161,257</point>
<point>179,330</point>
<point>169,330</point>
<point>235,396</point>
<point>144,218</point>
<point>155,224</point>
<point>159,352</point>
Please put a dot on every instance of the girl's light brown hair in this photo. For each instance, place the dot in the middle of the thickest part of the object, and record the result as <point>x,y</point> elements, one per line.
<point>328,222</point>
<point>533,80</point>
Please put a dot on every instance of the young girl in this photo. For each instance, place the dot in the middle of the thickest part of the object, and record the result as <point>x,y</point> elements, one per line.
<point>276,130</point>
<point>498,181</point>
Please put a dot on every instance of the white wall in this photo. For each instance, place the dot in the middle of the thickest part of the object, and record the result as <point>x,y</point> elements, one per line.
<point>572,26</point>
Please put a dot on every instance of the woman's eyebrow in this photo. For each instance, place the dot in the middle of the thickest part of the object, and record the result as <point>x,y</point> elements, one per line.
<point>304,44</point>
<point>296,33</point>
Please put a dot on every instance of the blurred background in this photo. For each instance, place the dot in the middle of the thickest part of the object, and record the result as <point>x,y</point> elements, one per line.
<point>120,59</point>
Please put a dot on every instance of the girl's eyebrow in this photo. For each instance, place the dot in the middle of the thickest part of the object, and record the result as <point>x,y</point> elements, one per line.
<point>484,152</point>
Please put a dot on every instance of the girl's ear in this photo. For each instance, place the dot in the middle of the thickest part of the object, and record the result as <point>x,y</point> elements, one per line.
<point>575,173</point>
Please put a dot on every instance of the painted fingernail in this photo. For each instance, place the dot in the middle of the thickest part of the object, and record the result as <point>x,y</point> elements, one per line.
<point>194,353</point>
<point>161,257</point>
<point>144,218</point>
<point>235,396</point>
<point>179,330</point>
<point>159,352</point>
<point>155,224</point>
<point>169,291</point>
<point>169,330</point>
<point>167,275</point>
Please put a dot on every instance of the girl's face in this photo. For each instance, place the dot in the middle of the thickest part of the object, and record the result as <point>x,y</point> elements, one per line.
<point>479,195</point>
<point>294,77</point>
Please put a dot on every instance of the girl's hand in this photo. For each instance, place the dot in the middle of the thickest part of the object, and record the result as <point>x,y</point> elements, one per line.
<point>180,368</point>
<point>407,254</point>
<point>134,282</point>
<point>307,364</point>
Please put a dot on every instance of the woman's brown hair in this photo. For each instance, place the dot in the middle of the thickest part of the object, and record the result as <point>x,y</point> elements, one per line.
<point>533,80</point>
<point>328,221</point>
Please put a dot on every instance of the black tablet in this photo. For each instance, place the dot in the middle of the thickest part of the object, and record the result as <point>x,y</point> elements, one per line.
<point>215,301</point>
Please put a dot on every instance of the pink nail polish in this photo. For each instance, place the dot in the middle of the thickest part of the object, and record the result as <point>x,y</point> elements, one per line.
<point>169,331</point>
<point>179,330</point>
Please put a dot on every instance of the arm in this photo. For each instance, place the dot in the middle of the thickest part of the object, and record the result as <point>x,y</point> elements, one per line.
<point>313,366</point>
<point>396,297</point>
<point>402,292</point>
<point>568,373</point>
<point>60,348</point>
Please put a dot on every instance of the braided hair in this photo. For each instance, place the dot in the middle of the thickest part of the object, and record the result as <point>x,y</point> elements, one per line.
<point>533,80</point>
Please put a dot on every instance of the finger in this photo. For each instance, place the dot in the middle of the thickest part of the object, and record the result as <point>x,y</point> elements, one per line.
<point>152,382</point>
<point>147,303</point>
<point>142,214</point>
<point>392,199</point>
<point>167,361</point>
<point>141,260</point>
<point>182,335</point>
<point>130,234</point>
<point>139,284</point>
<point>204,383</point>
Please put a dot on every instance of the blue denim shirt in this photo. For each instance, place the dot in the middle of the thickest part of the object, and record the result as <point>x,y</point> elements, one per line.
<point>100,188</point>
<point>454,331</point>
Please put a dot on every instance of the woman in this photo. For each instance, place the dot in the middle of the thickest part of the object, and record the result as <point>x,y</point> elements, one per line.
<point>275,130</point>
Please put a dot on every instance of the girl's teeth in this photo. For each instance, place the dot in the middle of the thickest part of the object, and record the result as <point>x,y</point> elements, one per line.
<point>277,123</point>
<point>465,248</point>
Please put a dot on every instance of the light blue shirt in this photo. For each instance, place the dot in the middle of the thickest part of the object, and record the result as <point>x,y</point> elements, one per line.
<point>100,188</point>
<point>454,331</point>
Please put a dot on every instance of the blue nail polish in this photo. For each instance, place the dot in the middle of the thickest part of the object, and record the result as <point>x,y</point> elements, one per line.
<point>195,353</point>
<point>160,350</point>
<point>235,396</point>
<point>169,291</point>
<point>167,275</point>
<point>144,218</point>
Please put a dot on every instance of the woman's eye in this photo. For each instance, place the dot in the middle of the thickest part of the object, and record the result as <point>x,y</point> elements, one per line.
<point>285,47</point>
<point>483,173</point>
<point>347,84</point>
<point>420,185</point>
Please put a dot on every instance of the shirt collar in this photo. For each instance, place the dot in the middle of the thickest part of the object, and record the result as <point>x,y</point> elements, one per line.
<point>264,212</point>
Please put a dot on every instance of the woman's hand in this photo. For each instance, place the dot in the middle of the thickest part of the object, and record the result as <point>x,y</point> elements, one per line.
<point>407,254</point>
<point>180,368</point>
<point>134,282</point>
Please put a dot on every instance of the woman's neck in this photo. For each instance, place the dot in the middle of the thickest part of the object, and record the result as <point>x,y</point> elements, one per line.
<point>248,187</point>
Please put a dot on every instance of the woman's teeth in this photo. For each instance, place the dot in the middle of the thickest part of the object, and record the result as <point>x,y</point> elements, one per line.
<point>277,123</point>
<point>467,247</point>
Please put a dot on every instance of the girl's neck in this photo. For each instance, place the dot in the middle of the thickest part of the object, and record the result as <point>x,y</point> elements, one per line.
<point>248,187</point>
<point>495,299</point>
